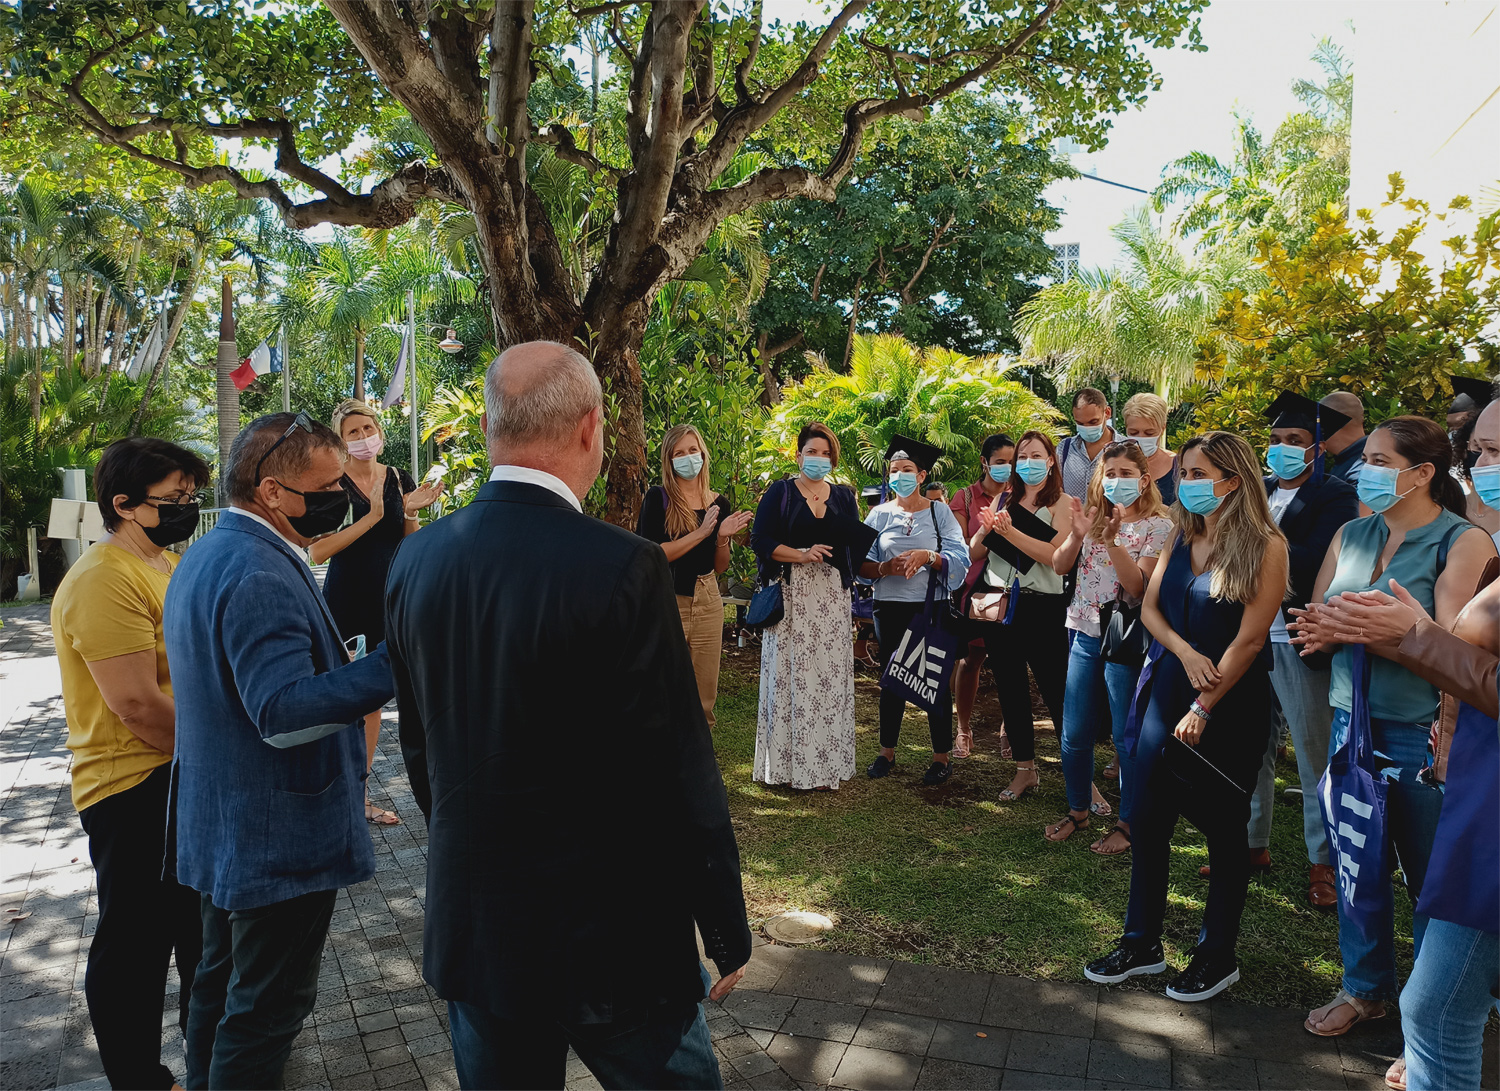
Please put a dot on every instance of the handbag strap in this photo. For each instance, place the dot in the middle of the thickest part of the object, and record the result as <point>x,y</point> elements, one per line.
<point>1359,740</point>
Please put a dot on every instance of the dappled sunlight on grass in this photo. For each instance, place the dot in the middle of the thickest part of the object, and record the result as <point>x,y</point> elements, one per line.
<point>954,877</point>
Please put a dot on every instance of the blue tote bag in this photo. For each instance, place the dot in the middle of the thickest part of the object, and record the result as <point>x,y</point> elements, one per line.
<point>1353,799</point>
<point>923,660</point>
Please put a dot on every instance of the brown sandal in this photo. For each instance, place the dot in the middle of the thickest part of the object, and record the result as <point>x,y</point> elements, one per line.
<point>1363,1010</point>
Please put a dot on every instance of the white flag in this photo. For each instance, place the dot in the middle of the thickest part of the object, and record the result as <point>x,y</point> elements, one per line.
<point>397,390</point>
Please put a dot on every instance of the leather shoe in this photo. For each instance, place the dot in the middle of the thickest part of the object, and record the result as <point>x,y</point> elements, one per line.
<point>1260,862</point>
<point>1320,889</point>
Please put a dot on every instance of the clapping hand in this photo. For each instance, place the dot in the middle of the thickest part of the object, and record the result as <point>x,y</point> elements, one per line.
<point>736,522</point>
<point>1309,628</point>
<point>422,496</point>
<point>908,564</point>
<point>1112,524</point>
<point>710,521</point>
<point>1372,617</point>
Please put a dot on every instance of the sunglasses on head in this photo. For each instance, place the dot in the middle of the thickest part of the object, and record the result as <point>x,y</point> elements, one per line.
<point>303,421</point>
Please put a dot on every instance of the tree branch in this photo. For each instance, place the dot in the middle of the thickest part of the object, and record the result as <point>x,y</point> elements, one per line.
<point>752,51</point>
<point>937,237</point>
<point>561,139</point>
<point>697,172</point>
<point>776,350</point>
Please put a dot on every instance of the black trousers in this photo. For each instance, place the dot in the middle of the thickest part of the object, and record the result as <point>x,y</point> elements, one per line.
<point>256,986</point>
<point>891,620</point>
<point>143,919</point>
<point>1222,816</point>
<point>1038,638</point>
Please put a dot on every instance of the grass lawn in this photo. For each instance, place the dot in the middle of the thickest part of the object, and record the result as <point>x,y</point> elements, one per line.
<point>954,877</point>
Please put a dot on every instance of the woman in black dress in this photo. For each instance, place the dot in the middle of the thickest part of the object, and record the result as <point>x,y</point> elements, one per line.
<point>384,503</point>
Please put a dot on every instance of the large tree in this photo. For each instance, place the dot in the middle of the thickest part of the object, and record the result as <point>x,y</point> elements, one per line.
<point>165,79</point>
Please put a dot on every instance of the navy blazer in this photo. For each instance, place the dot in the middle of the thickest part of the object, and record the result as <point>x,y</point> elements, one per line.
<point>269,767</point>
<point>577,822</point>
<point>1311,520</point>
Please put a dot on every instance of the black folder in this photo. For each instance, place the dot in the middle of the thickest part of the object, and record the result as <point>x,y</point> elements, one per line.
<point>1188,764</point>
<point>839,530</point>
<point>1029,524</point>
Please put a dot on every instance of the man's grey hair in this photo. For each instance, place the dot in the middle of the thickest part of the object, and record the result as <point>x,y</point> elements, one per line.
<point>292,459</point>
<point>542,404</point>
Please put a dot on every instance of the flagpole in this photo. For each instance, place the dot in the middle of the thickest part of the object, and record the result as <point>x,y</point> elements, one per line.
<point>411,376</point>
<point>286,375</point>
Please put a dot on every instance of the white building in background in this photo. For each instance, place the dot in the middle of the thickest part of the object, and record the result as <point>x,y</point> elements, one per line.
<point>1091,204</point>
<point>1427,104</point>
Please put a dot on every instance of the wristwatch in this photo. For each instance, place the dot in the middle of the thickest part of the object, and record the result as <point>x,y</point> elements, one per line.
<point>932,558</point>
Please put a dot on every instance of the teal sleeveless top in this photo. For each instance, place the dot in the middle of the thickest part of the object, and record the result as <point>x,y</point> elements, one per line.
<point>1395,692</point>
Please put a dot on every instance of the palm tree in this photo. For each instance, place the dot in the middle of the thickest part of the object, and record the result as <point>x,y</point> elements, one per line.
<point>346,292</point>
<point>209,228</point>
<point>1140,321</point>
<point>1224,198</point>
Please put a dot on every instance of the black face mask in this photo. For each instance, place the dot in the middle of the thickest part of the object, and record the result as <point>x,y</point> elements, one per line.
<point>175,523</point>
<point>325,512</point>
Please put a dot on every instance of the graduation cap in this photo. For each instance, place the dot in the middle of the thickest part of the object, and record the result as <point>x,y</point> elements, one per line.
<point>1470,394</point>
<point>1291,410</point>
<point>872,494</point>
<point>923,454</point>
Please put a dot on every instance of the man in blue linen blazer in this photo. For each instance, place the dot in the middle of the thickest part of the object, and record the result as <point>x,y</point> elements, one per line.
<point>268,772</point>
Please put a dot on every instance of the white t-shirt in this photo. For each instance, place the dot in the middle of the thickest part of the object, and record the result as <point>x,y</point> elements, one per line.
<point>1280,499</point>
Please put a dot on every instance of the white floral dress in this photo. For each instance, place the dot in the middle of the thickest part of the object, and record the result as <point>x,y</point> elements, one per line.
<point>804,733</point>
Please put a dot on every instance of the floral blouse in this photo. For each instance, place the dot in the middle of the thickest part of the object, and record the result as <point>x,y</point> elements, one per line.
<point>1097,583</point>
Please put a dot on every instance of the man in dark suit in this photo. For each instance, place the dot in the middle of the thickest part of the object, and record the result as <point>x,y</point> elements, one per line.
<point>1309,505</point>
<point>578,825</point>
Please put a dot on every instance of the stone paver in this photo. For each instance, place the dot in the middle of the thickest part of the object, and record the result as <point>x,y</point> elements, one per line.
<point>801,1018</point>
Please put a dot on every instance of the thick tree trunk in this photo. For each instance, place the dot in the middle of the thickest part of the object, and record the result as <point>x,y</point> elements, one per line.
<point>617,357</point>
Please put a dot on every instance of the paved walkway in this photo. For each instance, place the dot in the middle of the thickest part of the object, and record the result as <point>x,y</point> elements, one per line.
<point>802,1018</point>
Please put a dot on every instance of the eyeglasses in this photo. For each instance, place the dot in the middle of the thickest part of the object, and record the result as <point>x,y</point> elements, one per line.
<point>180,501</point>
<point>303,421</point>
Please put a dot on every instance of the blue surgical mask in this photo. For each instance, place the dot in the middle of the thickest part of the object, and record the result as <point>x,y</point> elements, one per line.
<point>1486,481</point>
<point>816,467</point>
<point>1091,433</point>
<point>1148,444</point>
<point>1000,474</point>
<point>1377,487</point>
<point>1122,490</point>
<point>687,466</point>
<point>1033,471</point>
<point>1198,496</point>
<point>1286,460</point>
<point>903,483</point>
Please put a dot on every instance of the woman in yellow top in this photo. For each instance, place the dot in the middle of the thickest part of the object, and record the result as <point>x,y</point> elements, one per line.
<point>106,622</point>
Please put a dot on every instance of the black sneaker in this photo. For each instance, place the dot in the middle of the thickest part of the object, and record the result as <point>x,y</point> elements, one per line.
<point>1206,976</point>
<point>1124,961</point>
<point>937,773</point>
<point>880,767</point>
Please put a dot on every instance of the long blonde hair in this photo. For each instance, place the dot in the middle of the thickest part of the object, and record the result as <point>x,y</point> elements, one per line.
<point>681,512</point>
<point>1148,505</point>
<point>1245,524</point>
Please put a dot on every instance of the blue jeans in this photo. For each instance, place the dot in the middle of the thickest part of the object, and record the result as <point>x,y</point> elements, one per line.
<point>1445,1005</point>
<point>1411,818</point>
<point>666,1046</point>
<point>1302,694</point>
<point>1095,689</point>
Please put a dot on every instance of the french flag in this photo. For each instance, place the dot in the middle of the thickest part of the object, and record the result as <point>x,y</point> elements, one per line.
<point>262,359</point>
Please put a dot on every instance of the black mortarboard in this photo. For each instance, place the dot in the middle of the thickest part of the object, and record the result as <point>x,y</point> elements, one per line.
<point>1470,394</point>
<point>1291,410</point>
<point>872,494</point>
<point>923,454</point>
